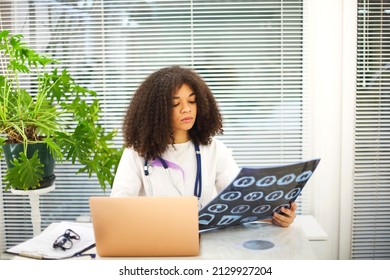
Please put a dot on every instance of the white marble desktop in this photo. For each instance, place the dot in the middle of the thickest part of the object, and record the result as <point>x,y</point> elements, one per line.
<point>228,244</point>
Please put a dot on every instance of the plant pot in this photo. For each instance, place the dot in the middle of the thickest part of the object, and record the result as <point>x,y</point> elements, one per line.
<point>12,151</point>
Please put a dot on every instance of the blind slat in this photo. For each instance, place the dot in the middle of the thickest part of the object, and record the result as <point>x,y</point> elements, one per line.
<point>371,213</point>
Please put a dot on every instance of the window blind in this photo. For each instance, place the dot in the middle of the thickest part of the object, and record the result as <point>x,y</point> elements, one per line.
<point>251,53</point>
<point>371,211</point>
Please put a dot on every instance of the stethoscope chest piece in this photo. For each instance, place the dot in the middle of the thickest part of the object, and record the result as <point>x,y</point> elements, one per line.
<point>148,168</point>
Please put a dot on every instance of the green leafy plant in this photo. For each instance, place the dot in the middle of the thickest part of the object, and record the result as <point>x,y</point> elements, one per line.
<point>41,104</point>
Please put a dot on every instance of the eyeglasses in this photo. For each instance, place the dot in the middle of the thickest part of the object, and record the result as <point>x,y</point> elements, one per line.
<point>65,241</point>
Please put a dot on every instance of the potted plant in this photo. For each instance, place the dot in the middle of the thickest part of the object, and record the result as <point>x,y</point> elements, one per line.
<point>45,116</point>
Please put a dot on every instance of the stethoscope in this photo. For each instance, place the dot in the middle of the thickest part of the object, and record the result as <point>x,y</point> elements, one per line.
<point>198,178</point>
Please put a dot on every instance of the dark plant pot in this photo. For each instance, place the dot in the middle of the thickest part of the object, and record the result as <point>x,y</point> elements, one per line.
<point>12,151</point>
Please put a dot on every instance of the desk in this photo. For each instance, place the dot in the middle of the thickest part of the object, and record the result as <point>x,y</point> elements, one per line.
<point>228,243</point>
<point>289,243</point>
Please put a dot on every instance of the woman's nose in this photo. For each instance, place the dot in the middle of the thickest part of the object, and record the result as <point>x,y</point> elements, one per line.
<point>186,108</point>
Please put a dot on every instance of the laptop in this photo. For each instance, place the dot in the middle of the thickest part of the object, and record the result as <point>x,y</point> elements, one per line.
<point>145,226</point>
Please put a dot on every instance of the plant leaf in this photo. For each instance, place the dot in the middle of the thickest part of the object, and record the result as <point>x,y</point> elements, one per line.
<point>25,174</point>
<point>55,150</point>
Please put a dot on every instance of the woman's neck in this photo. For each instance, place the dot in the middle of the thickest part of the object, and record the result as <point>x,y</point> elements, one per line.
<point>182,137</point>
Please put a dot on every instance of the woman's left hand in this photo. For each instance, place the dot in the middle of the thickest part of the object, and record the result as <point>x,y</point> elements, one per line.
<point>287,218</point>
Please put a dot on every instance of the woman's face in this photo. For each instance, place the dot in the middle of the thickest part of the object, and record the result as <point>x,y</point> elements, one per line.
<point>183,112</point>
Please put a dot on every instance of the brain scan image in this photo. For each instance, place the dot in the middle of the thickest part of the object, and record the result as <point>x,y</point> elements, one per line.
<point>256,193</point>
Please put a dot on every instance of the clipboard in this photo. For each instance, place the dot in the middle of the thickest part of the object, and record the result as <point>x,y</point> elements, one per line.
<point>41,246</point>
<point>255,194</point>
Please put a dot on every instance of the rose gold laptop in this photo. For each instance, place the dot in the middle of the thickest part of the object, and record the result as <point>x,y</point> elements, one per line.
<point>145,226</point>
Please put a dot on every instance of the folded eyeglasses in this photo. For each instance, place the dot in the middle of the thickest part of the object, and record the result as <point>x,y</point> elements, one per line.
<point>65,241</point>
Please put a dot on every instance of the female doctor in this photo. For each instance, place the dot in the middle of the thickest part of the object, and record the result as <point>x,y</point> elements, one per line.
<point>169,145</point>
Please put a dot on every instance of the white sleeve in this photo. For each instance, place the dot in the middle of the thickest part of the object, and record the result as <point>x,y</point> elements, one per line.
<point>227,168</point>
<point>128,177</point>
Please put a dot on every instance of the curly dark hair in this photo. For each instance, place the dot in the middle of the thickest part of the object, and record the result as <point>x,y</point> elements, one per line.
<point>147,124</point>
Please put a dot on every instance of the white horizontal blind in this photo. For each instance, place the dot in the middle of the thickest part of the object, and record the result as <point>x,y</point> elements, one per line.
<point>371,212</point>
<point>251,53</point>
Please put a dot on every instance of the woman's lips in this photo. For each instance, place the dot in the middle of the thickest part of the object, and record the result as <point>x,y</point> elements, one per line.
<point>187,120</point>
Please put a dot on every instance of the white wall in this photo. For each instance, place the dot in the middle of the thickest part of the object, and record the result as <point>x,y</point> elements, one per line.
<point>347,126</point>
<point>332,37</point>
